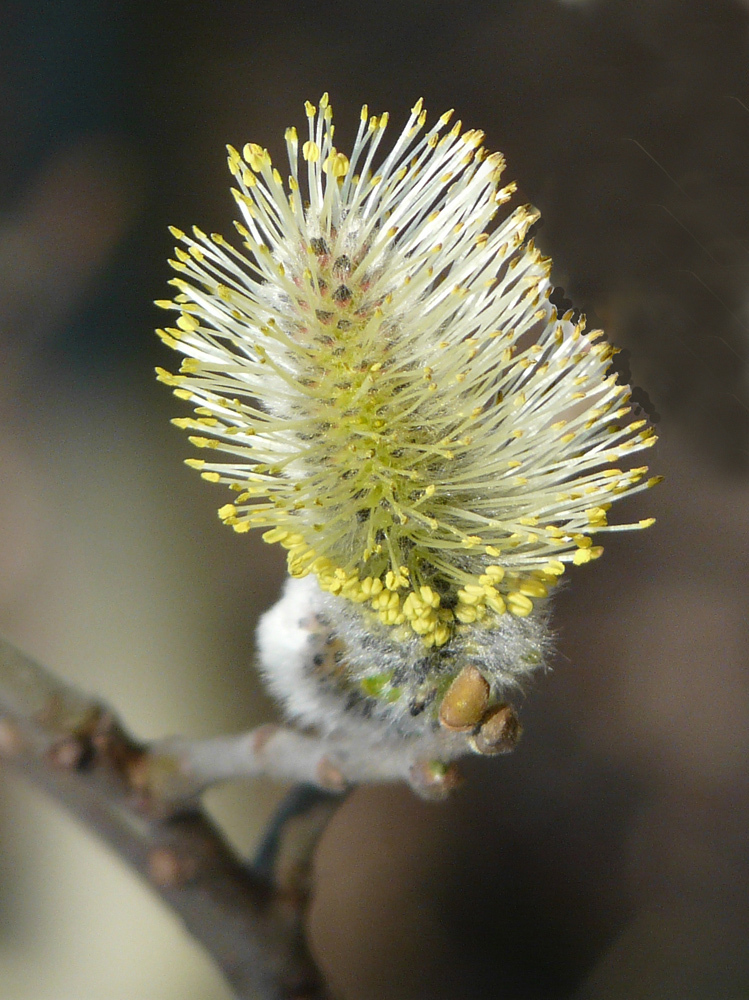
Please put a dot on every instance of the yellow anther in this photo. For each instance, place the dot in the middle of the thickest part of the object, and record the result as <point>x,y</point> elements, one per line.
<point>167,378</point>
<point>422,626</point>
<point>389,616</point>
<point>388,600</point>
<point>255,155</point>
<point>519,604</point>
<point>411,604</point>
<point>275,535</point>
<point>184,422</point>
<point>311,151</point>
<point>596,516</point>
<point>187,323</point>
<point>167,339</point>
<point>554,567</point>
<point>336,164</point>
<point>470,599</point>
<point>466,614</point>
<point>203,442</point>
<point>441,634</point>
<point>492,575</point>
<point>496,603</point>
<point>381,601</point>
<point>533,588</point>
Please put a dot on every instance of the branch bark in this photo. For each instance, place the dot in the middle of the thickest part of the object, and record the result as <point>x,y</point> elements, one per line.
<point>75,749</point>
<point>178,769</point>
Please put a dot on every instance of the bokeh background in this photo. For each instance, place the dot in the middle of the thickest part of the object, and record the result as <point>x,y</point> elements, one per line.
<point>607,858</point>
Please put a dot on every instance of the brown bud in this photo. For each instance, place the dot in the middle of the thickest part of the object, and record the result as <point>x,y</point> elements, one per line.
<point>68,754</point>
<point>499,732</point>
<point>103,730</point>
<point>433,780</point>
<point>168,870</point>
<point>465,701</point>
<point>263,735</point>
<point>11,740</point>
<point>329,776</point>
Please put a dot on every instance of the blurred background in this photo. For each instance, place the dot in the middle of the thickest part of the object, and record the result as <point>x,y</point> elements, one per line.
<point>606,858</point>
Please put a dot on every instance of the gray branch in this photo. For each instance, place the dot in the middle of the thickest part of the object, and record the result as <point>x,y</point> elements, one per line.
<point>250,920</point>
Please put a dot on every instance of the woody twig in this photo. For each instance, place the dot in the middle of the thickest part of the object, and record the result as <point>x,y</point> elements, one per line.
<point>74,748</point>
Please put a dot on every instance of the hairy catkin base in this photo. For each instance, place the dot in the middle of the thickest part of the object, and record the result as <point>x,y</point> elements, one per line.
<point>337,669</point>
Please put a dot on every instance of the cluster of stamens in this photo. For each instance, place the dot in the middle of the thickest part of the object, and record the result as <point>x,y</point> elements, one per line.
<point>408,414</point>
